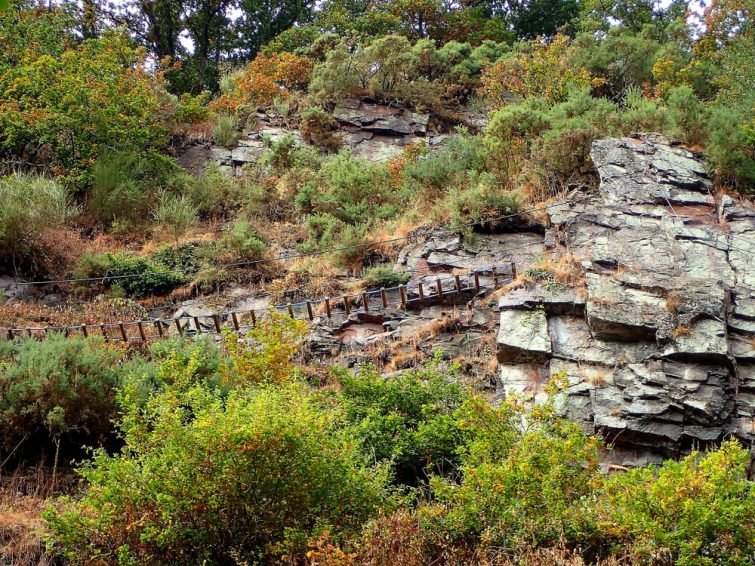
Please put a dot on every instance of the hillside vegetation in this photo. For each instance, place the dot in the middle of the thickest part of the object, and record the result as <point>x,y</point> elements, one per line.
<point>239,449</point>
<point>99,102</point>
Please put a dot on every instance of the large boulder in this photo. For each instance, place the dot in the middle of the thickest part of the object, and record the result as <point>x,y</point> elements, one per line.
<point>659,345</point>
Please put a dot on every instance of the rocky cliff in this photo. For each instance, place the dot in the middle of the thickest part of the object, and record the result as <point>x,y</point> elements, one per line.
<point>658,345</point>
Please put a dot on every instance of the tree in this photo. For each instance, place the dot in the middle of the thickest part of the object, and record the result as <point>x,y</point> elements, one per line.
<point>262,20</point>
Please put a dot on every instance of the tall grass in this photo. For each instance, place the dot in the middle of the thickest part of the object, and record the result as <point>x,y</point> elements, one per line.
<point>29,204</point>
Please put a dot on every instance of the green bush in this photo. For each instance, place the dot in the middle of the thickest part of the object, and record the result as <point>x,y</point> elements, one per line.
<point>450,165</point>
<point>731,146</point>
<point>688,115</point>
<point>405,420</point>
<point>527,480</point>
<point>286,153</point>
<point>482,202</point>
<point>57,388</point>
<point>215,193</point>
<point>30,204</point>
<point>244,242</point>
<point>700,510</point>
<point>384,276</point>
<point>225,132</point>
<point>247,477</point>
<point>355,190</point>
<point>153,278</point>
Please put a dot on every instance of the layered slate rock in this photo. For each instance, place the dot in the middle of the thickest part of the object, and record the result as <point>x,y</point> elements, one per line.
<point>659,347</point>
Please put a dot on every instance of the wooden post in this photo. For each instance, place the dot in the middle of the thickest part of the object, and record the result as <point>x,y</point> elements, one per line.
<point>346,305</point>
<point>123,332</point>
<point>457,279</point>
<point>179,328</point>
<point>104,332</point>
<point>421,290</point>
<point>142,335</point>
<point>197,325</point>
<point>159,325</point>
<point>310,312</point>
<point>235,320</point>
<point>65,331</point>
<point>84,331</point>
<point>10,334</point>
<point>366,301</point>
<point>290,310</point>
<point>216,320</point>
<point>327,307</point>
<point>476,280</point>
<point>402,294</point>
<point>439,283</point>
<point>513,270</point>
<point>254,318</point>
<point>495,276</point>
<point>384,297</point>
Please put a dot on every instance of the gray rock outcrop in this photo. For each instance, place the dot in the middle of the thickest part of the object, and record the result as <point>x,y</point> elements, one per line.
<point>658,347</point>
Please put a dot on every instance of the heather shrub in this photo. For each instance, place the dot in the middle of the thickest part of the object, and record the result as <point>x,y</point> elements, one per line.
<point>450,165</point>
<point>731,146</point>
<point>355,190</point>
<point>175,214</point>
<point>245,477</point>
<point>688,115</point>
<point>126,185</point>
<point>244,242</point>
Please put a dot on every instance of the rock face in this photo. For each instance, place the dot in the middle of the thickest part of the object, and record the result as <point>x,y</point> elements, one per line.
<point>375,132</point>
<point>659,346</point>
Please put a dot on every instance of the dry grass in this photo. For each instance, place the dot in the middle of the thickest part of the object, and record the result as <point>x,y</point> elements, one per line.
<point>596,377</point>
<point>23,497</point>
<point>681,331</point>
<point>673,302</point>
<point>307,278</point>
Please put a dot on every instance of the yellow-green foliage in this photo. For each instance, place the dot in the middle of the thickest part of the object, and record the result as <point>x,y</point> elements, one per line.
<point>264,357</point>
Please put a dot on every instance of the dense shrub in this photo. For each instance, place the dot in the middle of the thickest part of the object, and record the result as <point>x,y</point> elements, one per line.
<point>175,214</point>
<point>450,165</point>
<point>355,190</point>
<point>527,479</point>
<point>244,242</point>
<point>57,388</point>
<point>225,133</point>
<point>126,185</point>
<point>406,420</point>
<point>116,270</point>
<point>30,204</point>
<point>204,478</point>
<point>700,510</point>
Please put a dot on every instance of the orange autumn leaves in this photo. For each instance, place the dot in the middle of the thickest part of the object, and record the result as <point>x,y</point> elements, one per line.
<point>264,80</point>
